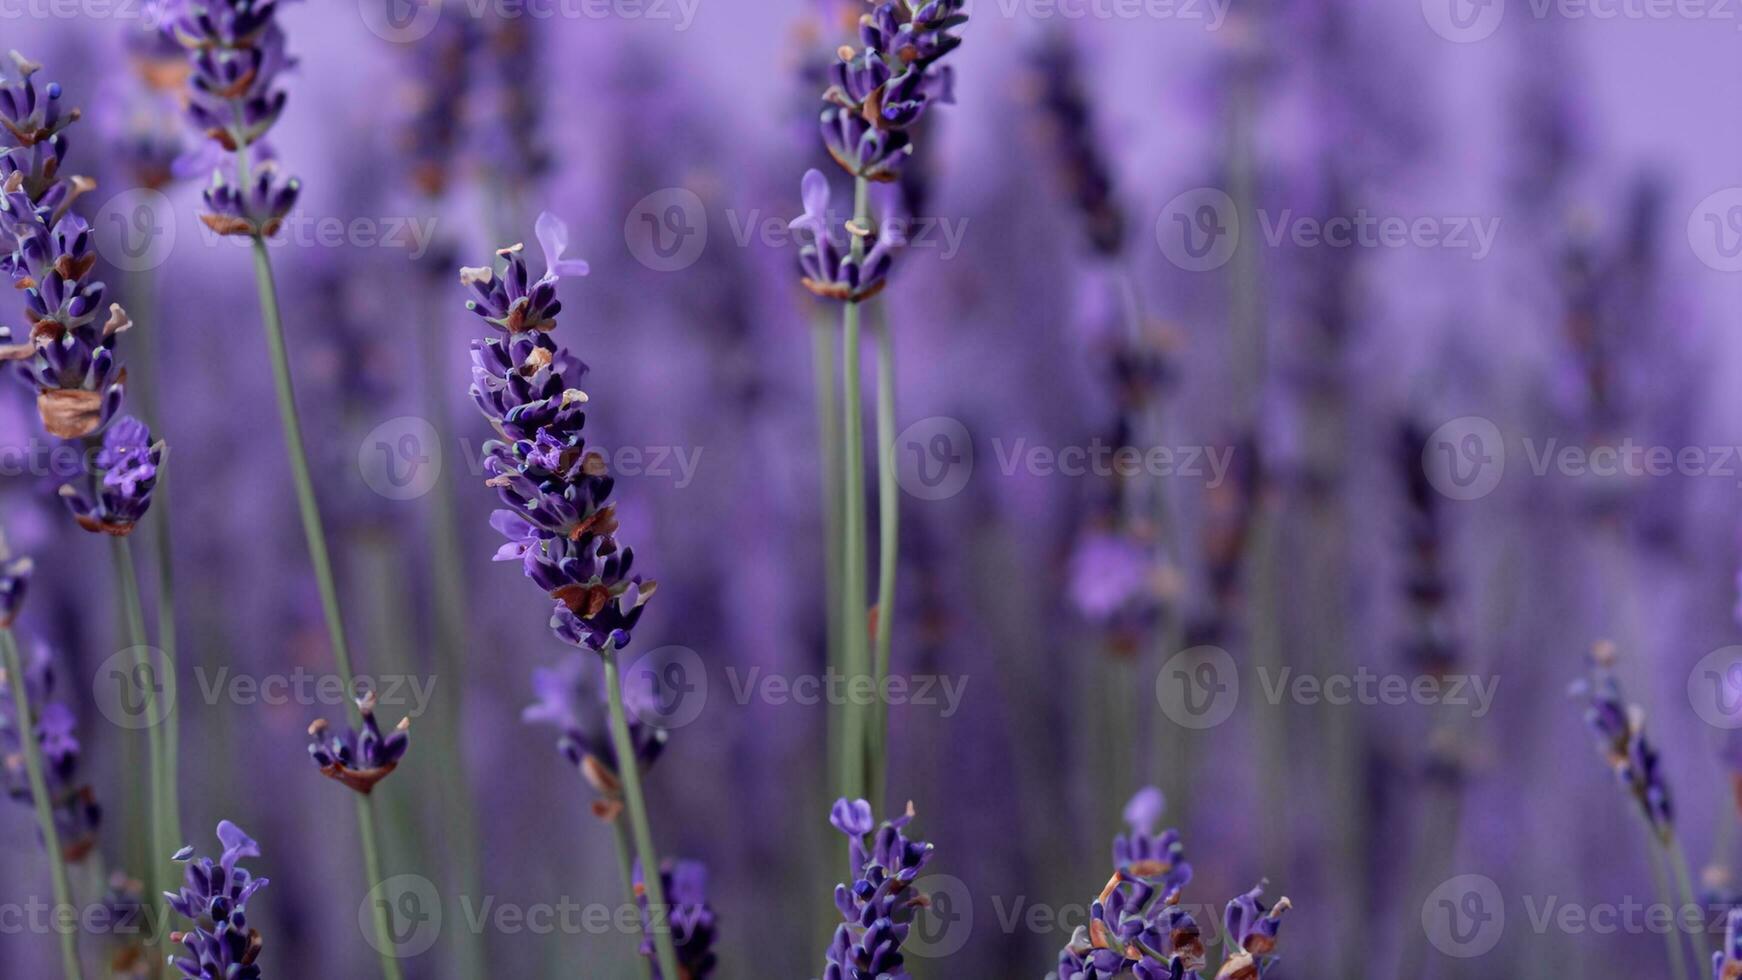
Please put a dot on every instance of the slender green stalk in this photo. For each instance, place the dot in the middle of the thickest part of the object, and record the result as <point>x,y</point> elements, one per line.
<point>629,771</point>
<point>854,616</point>
<point>627,869</point>
<point>316,535</point>
<point>829,450</point>
<point>32,751</point>
<point>889,543</point>
<point>157,694</point>
<point>1678,861</point>
<point>1671,938</point>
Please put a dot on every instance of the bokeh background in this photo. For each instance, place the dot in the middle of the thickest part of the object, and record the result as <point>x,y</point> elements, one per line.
<point>1093,149</point>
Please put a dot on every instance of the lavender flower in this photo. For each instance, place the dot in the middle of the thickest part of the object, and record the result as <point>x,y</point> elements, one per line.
<point>831,271</point>
<point>14,583</point>
<point>77,814</point>
<point>571,698</point>
<point>1068,123</point>
<point>438,84</point>
<point>67,354</point>
<point>1117,583</point>
<point>559,523</point>
<point>878,906</point>
<point>237,51</point>
<point>691,918</point>
<point>126,473</point>
<point>1137,926</point>
<point>877,94</point>
<point>1620,731</point>
<point>359,759</point>
<point>1727,962</point>
<point>216,898</point>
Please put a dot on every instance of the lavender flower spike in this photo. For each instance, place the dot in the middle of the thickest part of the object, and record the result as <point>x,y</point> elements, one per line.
<point>359,759</point>
<point>1727,962</point>
<point>14,582</point>
<point>831,271</point>
<point>126,471</point>
<point>879,93</point>
<point>571,698</point>
<point>878,906</point>
<point>1619,728</point>
<point>76,813</point>
<point>691,918</point>
<point>215,897</point>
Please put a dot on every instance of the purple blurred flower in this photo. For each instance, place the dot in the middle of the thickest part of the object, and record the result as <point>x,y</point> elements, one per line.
<point>1727,962</point>
<point>14,583</point>
<point>76,812</point>
<point>1067,117</point>
<point>1620,731</point>
<point>878,906</point>
<point>691,918</point>
<point>572,698</point>
<point>215,897</point>
<point>126,472</point>
<point>359,759</point>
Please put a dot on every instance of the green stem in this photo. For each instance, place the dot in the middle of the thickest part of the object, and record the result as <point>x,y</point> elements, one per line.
<point>157,693</point>
<point>626,868</point>
<point>889,535</point>
<point>829,450</point>
<point>854,776</point>
<point>316,535</point>
<point>1672,941</point>
<point>1678,860</point>
<point>32,751</point>
<point>628,770</point>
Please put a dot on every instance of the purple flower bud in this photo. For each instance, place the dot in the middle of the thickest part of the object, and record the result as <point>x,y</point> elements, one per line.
<point>359,758</point>
<point>215,897</point>
<point>126,474</point>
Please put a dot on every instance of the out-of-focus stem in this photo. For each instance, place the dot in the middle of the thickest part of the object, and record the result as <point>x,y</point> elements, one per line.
<point>1678,861</point>
<point>1672,940</point>
<point>315,533</point>
<point>159,688</point>
<point>629,771</point>
<point>626,867</point>
<point>889,543</point>
<point>32,751</point>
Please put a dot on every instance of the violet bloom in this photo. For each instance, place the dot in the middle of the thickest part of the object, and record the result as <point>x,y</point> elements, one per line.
<point>1619,728</point>
<point>126,474</point>
<point>572,698</point>
<point>878,94</point>
<point>67,351</point>
<point>830,270</point>
<point>215,897</point>
<point>439,81</point>
<point>14,583</point>
<point>559,523</point>
<point>1727,962</point>
<point>77,815</point>
<point>1117,583</point>
<point>359,759</point>
<point>878,906</point>
<point>1252,927</point>
<point>237,52</point>
<point>691,918</point>
<point>1068,129</point>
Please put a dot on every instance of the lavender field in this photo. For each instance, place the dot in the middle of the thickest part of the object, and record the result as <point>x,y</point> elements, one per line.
<point>859,489</point>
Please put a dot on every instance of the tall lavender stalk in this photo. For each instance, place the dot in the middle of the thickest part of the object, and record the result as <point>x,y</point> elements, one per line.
<point>14,578</point>
<point>558,519</point>
<point>876,97</point>
<point>237,51</point>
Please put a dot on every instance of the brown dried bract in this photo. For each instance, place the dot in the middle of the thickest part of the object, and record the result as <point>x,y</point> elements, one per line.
<point>69,413</point>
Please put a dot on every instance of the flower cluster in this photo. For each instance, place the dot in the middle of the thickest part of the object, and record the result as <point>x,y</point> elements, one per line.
<point>126,473</point>
<point>216,898</point>
<point>1137,926</point>
<point>571,698</point>
<point>1619,728</point>
<point>67,351</point>
<point>831,271</point>
<point>559,522</point>
<point>691,920</point>
<point>1727,962</point>
<point>878,93</point>
<point>878,906</point>
<point>359,759</point>
<point>436,91</point>
<point>1117,583</point>
<point>76,812</point>
<point>237,52</point>
<point>1068,125</point>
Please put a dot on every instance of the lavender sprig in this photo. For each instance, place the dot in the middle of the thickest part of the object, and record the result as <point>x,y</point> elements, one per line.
<point>215,897</point>
<point>1727,962</point>
<point>570,698</point>
<point>878,904</point>
<point>692,922</point>
<point>1619,728</point>
<point>52,729</point>
<point>126,473</point>
<point>362,756</point>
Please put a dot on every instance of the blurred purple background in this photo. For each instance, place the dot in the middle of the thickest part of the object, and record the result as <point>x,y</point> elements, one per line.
<point>1599,152</point>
